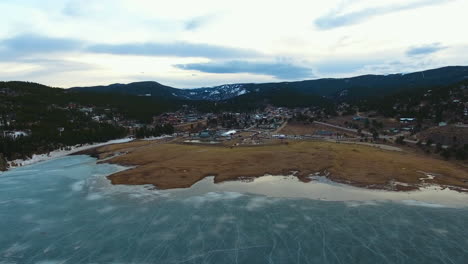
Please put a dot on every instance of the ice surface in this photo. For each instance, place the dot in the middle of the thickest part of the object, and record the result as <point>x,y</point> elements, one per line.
<point>65,211</point>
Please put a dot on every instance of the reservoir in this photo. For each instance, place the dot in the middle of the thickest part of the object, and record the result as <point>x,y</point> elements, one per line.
<point>66,211</point>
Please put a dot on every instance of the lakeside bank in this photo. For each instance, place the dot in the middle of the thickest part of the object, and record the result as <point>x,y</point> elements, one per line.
<point>36,158</point>
<point>172,165</point>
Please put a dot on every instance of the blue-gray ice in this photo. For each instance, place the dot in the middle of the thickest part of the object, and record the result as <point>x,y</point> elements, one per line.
<point>65,211</point>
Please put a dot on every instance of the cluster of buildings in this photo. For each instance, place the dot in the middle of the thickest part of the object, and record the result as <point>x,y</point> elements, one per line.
<point>270,118</point>
<point>106,115</point>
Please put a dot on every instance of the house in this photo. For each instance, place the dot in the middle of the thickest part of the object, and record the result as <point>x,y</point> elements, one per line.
<point>442,124</point>
<point>4,123</point>
<point>204,134</point>
<point>229,133</point>
<point>16,134</point>
<point>279,136</point>
<point>406,120</point>
<point>86,109</point>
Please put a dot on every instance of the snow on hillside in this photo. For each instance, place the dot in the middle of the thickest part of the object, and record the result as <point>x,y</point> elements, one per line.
<point>216,93</point>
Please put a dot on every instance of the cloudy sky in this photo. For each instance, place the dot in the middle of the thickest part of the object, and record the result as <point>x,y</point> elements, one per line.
<point>186,43</point>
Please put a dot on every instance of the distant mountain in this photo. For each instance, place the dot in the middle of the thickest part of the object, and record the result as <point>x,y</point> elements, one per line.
<point>370,85</point>
<point>136,88</point>
<point>155,89</point>
<point>338,89</point>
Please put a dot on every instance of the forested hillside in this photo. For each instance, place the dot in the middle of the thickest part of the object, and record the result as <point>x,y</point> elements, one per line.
<point>51,118</point>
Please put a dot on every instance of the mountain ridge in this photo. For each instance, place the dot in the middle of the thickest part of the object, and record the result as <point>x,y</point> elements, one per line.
<point>352,87</point>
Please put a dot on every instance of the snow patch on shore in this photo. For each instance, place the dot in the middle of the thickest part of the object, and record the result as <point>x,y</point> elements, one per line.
<point>61,153</point>
<point>157,138</point>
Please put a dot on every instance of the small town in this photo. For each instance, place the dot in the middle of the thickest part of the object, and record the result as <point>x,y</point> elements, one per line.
<point>435,131</point>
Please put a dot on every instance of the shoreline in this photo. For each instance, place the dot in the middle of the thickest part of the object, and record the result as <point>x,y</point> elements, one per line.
<point>271,187</point>
<point>323,189</point>
<point>172,165</point>
<point>36,158</point>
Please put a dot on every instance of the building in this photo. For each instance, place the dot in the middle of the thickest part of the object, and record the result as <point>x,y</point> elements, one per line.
<point>442,124</point>
<point>16,134</point>
<point>406,120</point>
<point>204,134</point>
<point>229,133</point>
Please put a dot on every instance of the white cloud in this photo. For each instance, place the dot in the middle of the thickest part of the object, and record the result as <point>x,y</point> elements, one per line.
<point>366,37</point>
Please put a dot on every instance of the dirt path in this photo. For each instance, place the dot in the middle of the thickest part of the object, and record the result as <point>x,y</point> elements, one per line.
<point>280,127</point>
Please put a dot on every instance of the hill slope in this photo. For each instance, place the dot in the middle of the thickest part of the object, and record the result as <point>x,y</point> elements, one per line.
<point>345,88</point>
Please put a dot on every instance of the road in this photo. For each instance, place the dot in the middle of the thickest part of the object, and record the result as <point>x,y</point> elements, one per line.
<point>380,136</point>
<point>343,128</point>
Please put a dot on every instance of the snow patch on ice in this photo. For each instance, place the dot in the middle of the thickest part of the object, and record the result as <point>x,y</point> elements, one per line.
<point>360,203</point>
<point>212,196</point>
<point>94,196</point>
<point>281,226</point>
<point>51,262</point>
<point>440,231</point>
<point>258,202</point>
<point>423,204</point>
<point>14,249</point>
<point>77,186</point>
<point>106,209</point>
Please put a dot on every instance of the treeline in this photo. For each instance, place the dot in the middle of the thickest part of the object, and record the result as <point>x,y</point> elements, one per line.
<point>458,152</point>
<point>146,132</point>
<point>33,95</point>
<point>408,103</point>
<point>46,139</point>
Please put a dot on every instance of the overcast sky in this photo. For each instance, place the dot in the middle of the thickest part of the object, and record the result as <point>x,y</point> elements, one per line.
<point>199,43</point>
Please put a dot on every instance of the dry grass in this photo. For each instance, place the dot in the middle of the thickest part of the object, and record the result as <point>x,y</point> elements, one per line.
<point>176,166</point>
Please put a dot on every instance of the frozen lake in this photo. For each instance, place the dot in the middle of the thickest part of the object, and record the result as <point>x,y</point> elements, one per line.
<point>65,211</point>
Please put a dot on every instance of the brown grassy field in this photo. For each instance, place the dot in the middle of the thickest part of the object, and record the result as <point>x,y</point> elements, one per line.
<point>169,165</point>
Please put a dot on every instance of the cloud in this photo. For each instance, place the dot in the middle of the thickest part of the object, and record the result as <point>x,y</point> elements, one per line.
<point>31,43</point>
<point>27,44</point>
<point>197,22</point>
<point>72,8</point>
<point>336,18</point>
<point>49,72</point>
<point>280,70</point>
<point>332,66</point>
<point>84,9</point>
<point>425,49</point>
<point>177,49</point>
